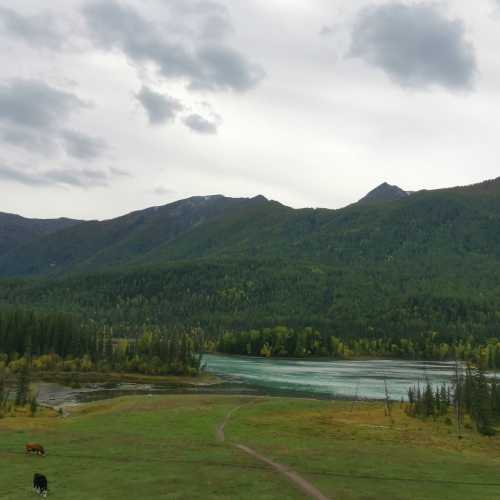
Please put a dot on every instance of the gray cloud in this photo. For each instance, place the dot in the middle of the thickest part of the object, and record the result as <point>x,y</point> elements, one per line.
<point>82,146</point>
<point>32,115</point>
<point>69,176</point>
<point>216,22</point>
<point>205,19</point>
<point>30,139</point>
<point>40,30</point>
<point>416,45</point>
<point>18,175</point>
<point>33,103</point>
<point>180,51</point>
<point>160,108</point>
<point>200,125</point>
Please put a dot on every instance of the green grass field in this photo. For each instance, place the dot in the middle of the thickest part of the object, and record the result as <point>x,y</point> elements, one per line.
<point>164,447</point>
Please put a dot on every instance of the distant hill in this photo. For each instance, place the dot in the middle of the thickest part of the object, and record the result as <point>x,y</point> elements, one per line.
<point>96,245</point>
<point>383,193</point>
<point>418,265</point>
<point>16,230</point>
<point>448,222</point>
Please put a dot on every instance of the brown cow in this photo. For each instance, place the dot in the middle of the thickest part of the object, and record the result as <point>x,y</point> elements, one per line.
<point>35,448</point>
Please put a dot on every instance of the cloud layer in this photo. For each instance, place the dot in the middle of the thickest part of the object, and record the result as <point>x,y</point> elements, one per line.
<point>68,176</point>
<point>34,103</point>
<point>39,30</point>
<point>33,118</point>
<point>326,123</point>
<point>33,115</point>
<point>415,45</point>
<point>195,53</point>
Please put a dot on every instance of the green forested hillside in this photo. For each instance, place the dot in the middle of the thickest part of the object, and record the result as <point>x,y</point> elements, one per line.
<point>387,299</point>
<point>442,224</point>
<point>97,245</point>
<point>16,231</point>
<point>426,264</point>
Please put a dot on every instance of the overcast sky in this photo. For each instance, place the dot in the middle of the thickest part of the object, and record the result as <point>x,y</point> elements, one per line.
<point>108,106</point>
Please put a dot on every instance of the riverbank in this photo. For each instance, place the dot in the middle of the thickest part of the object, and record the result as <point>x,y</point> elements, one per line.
<point>204,379</point>
<point>76,379</point>
<point>160,447</point>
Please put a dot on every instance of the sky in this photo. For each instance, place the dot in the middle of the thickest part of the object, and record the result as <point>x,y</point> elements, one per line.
<point>110,106</point>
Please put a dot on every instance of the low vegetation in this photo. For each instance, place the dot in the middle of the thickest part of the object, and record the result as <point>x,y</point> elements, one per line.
<point>165,447</point>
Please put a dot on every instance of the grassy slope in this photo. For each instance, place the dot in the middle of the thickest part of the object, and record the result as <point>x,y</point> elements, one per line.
<point>164,447</point>
<point>126,450</point>
<point>357,454</point>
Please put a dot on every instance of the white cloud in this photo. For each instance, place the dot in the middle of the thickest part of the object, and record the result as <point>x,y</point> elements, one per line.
<point>320,129</point>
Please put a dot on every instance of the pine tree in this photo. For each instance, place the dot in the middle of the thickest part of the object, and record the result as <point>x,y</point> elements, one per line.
<point>428,401</point>
<point>444,402</point>
<point>23,385</point>
<point>4,393</point>
<point>438,406</point>
<point>481,403</point>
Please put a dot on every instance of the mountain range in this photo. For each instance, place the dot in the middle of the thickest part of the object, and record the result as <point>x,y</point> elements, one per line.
<point>405,265</point>
<point>388,223</point>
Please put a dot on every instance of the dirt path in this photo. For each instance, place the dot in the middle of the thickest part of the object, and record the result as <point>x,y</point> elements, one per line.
<point>305,486</point>
<point>219,432</point>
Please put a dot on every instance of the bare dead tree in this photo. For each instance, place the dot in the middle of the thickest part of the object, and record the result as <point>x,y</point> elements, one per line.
<point>387,400</point>
<point>355,395</point>
<point>459,403</point>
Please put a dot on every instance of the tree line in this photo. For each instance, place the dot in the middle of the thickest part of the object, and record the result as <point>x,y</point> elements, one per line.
<point>472,395</point>
<point>22,394</point>
<point>62,342</point>
<point>401,298</point>
<point>282,341</point>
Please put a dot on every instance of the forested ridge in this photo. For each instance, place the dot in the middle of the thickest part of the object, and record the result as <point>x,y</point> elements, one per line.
<point>429,226</point>
<point>374,275</point>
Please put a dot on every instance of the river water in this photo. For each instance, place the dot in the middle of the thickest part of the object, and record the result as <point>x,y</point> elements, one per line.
<point>301,378</point>
<point>334,379</point>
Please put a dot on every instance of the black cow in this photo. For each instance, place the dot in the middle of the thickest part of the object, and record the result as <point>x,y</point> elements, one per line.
<point>40,484</point>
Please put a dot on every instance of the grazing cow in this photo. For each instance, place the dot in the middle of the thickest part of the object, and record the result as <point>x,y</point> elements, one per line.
<point>35,448</point>
<point>40,485</point>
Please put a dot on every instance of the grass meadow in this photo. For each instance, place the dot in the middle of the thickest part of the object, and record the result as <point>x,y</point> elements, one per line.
<point>164,447</point>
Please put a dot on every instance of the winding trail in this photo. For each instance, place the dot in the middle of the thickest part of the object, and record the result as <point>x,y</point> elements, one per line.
<point>219,432</point>
<point>305,486</point>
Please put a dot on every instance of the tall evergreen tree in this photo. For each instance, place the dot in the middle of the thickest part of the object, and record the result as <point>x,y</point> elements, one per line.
<point>23,385</point>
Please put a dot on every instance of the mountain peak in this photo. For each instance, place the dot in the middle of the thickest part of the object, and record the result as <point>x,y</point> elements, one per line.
<point>383,193</point>
<point>260,197</point>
